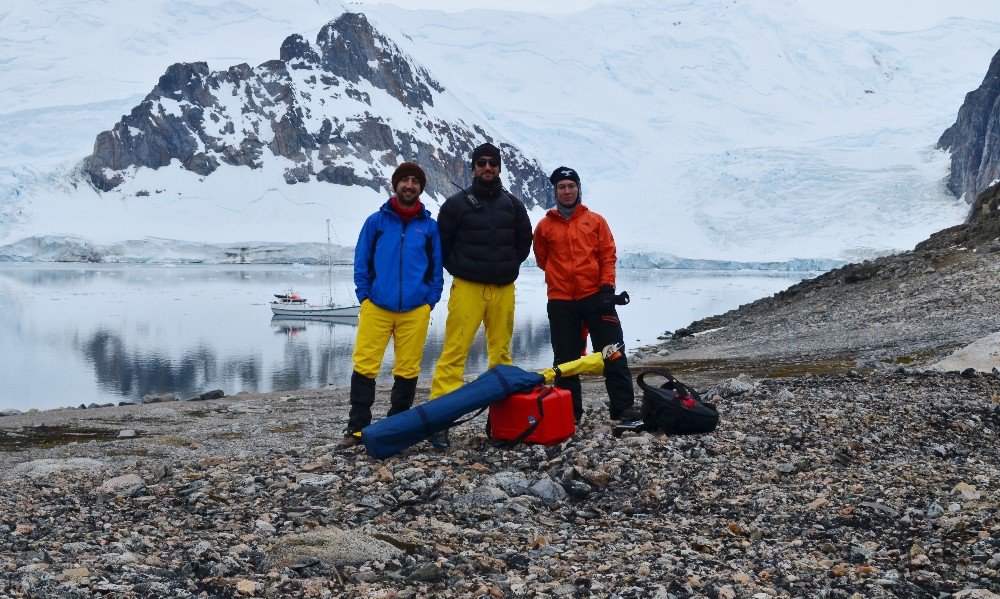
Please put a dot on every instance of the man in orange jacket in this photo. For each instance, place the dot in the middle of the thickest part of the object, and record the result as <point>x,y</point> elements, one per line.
<point>575,248</point>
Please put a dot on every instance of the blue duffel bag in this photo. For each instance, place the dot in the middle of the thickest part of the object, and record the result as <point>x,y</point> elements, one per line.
<point>392,435</point>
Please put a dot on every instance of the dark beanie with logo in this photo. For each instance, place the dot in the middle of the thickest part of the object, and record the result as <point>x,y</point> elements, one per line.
<point>405,170</point>
<point>564,172</point>
<point>486,150</point>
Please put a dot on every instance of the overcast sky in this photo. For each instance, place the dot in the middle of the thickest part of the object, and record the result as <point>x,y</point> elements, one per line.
<point>862,14</point>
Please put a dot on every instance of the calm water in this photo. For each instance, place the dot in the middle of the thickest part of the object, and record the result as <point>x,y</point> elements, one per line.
<point>73,334</point>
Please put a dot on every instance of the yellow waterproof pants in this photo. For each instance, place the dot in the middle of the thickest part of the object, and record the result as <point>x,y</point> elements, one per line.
<point>408,331</point>
<point>470,305</point>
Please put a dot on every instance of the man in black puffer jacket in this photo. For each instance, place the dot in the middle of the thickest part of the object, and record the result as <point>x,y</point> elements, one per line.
<point>485,236</point>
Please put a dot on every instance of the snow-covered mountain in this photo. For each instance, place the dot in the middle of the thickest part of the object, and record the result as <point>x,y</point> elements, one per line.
<point>344,110</point>
<point>710,130</point>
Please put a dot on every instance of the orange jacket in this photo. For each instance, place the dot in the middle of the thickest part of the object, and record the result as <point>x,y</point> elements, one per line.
<point>577,255</point>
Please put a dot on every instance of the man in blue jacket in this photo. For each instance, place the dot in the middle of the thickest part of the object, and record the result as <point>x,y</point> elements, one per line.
<point>398,280</point>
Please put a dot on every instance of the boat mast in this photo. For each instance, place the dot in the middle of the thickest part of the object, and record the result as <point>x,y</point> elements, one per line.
<point>329,263</point>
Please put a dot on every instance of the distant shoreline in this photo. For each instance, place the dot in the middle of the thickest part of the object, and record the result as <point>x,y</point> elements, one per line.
<point>68,250</point>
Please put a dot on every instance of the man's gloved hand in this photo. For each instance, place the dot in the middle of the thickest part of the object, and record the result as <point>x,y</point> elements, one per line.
<point>606,297</point>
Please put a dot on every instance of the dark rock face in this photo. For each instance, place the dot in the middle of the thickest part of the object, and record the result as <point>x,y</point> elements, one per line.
<point>345,110</point>
<point>974,139</point>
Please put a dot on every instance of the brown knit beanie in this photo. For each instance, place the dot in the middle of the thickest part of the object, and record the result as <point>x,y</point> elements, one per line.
<point>406,169</point>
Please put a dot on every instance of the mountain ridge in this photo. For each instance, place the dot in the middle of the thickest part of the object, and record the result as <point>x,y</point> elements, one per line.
<point>317,107</point>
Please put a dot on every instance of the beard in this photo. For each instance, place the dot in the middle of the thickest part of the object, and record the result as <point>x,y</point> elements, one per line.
<point>407,199</point>
<point>495,182</point>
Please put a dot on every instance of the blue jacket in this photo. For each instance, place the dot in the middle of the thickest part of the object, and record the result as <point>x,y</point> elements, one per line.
<point>397,265</point>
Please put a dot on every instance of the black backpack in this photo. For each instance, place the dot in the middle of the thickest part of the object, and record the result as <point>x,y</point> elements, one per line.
<point>675,408</point>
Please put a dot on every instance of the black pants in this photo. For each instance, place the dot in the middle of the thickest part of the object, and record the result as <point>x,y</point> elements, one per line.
<point>566,318</point>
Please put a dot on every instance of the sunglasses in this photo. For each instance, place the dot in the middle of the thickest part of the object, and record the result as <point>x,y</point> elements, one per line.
<point>487,161</point>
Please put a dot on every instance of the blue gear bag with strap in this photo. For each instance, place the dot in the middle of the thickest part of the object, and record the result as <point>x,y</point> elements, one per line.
<point>392,435</point>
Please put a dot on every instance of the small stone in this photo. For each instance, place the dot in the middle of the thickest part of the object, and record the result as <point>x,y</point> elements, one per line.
<point>921,560</point>
<point>126,433</point>
<point>202,547</point>
<point>818,503</point>
<point>597,478</point>
<point>427,573</point>
<point>126,483</point>
<point>305,561</point>
<point>247,587</point>
<point>967,491</point>
<point>74,574</point>
<point>263,526</point>
<point>384,475</point>
<point>547,489</point>
<point>482,496</point>
<point>332,545</point>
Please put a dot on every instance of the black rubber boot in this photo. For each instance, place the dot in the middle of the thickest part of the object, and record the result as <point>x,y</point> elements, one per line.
<point>402,394</point>
<point>621,394</point>
<point>362,399</point>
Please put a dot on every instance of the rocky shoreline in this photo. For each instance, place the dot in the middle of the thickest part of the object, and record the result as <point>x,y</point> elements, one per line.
<point>878,484</point>
<point>911,309</point>
<point>846,465</point>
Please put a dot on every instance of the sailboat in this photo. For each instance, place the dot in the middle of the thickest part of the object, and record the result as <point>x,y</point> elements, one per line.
<point>292,304</point>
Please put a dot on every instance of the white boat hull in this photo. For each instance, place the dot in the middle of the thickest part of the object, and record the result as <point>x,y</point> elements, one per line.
<point>290,309</point>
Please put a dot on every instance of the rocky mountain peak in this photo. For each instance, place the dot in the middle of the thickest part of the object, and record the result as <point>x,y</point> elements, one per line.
<point>297,47</point>
<point>974,139</point>
<point>342,110</point>
<point>353,49</point>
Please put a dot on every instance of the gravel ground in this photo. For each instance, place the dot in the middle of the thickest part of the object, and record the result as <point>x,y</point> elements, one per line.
<point>873,484</point>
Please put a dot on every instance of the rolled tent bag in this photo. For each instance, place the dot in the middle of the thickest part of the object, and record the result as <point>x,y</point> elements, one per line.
<point>392,435</point>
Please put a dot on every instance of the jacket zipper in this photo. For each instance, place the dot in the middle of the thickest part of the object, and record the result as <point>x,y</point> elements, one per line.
<point>493,229</point>
<point>572,263</point>
<point>402,244</point>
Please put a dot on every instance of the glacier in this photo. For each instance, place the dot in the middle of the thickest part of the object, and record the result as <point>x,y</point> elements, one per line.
<point>711,131</point>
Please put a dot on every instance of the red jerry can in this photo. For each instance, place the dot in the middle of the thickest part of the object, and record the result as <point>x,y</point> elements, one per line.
<point>547,412</point>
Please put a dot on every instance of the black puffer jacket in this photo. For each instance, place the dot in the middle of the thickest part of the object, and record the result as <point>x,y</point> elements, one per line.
<point>487,242</point>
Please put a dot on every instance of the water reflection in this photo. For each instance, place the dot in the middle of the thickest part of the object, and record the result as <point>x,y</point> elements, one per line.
<point>125,373</point>
<point>291,325</point>
<point>304,364</point>
<point>72,334</point>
